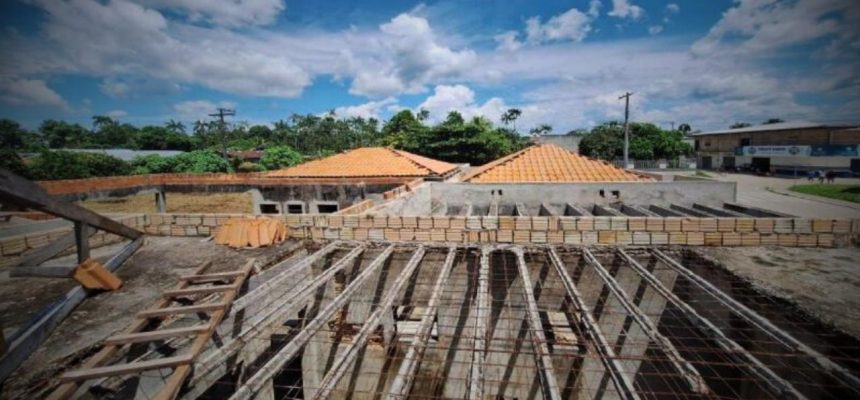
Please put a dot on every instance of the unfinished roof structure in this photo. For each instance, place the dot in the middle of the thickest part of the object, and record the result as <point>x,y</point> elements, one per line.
<point>385,320</point>
<point>549,163</point>
<point>369,162</point>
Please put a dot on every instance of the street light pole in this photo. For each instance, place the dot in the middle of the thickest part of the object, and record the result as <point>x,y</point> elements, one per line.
<point>626,98</point>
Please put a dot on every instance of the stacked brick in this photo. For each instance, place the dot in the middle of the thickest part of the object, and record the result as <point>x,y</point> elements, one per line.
<point>569,230</point>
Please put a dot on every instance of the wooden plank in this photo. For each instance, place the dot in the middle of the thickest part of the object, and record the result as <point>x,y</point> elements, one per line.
<point>20,191</point>
<point>48,271</point>
<point>152,336</point>
<point>164,312</point>
<point>217,275</point>
<point>125,369</point>
<point>204,290</point>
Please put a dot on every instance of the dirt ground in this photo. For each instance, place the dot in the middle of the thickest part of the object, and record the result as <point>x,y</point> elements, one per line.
<point>176,203</point>
<point>154,268</point>
<point>823,282</point>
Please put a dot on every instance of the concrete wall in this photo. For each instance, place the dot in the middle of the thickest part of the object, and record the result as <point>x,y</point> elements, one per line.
<point>569,142</point>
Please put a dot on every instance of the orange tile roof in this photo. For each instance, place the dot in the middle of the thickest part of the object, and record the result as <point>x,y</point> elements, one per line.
<point>367,162</point>
<point>549,163</point>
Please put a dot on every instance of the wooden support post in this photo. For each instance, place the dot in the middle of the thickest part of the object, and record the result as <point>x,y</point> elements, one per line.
<point>542,356</point>
<point>406,375</point>
<point>623,382</point>
<point>691,375</point>
<point>755,319</point>
<point>776,384</point>
<point>22,192</point>
<point>82,241</point>
<point>276,363</point>
<point>482,316</point>
<point>346,358</point>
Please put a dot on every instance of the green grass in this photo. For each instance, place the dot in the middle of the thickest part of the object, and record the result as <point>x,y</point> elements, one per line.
<point>703,174</point>
<point>840,192</point>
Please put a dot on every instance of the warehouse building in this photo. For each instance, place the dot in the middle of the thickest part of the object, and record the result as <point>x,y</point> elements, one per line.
<point>785,148</point>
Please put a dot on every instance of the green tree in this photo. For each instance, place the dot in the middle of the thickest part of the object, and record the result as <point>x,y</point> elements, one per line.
<point>647,141</point>
<point>60,134</point>
<point>12,136</point>
<point>772,121</point>
<point>175,126</point>
<point>738,125</point>
<point>153,164</point>
<point>510,117</point>
<point>200,161</point>
<point>53,164</point>
<point>685,128</point>
<point>9,160</point>
<point>280,157</point>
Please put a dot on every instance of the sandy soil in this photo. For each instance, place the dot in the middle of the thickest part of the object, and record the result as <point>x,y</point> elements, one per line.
<point>176,203</point>
<point>151,270</point>
<point>823,282</point>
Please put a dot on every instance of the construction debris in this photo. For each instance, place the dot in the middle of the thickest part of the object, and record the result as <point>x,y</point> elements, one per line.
<point>92,275</point>
<point>251,232</point>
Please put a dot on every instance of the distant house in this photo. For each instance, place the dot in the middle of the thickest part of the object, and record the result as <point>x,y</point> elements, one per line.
<point>788,148</point>
<point>126,154</point>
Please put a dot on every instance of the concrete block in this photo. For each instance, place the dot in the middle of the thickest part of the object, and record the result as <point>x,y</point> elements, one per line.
<point>422,235</point>
<point>505,236</point>
<point>376,234</point>
<point>713,238</point>
<point>731,239</point>
<point>473,223</point>
<point>585,224</point>
<point>350,221</point>
<point>331,234</point>
<point>707,224</point>
<point>623,237</point>
<point>306,220</point>
<point>395,222</point>
<point>726,224</point>
<point>538,237</point>
<point>194,220</point>
<point>441,222</point>
<point>822,225</point>
<point>567,223</point>
<point>751,239</point>
<point>690,225</point>
<point>654,224</point>
<point>380,221</point>
<point>365,221</point>
<point>606,237</point>
<point>764,225</point>
<point>783,225</point>
<point>636,224</point>
<point>602,223</point>
<point>425,222</point>
<point>589,237</point>
<point>641,238</point>
<point>572,237</point>
<point>787,239</point>
<point>335,221</point>
<point>490,222</point>
<point>454,235</point>
<point>744,225</point>
<point>555,237</point>
<point>677,238</point>
<point>841,226</point>
<point>210,221</point>
<point>540,223</point>
<point>618,223</point>
<point>437,235</point>
<point>471,236</point>
<point>360,233</point>
<point>204,230</point>
<point>658,238</point>
<point>177,230</point>
<point>768,239</point>
<point>807,240</point>
<point>14,246</point>
<point>522,236</point>
<point>409,222</point>
<point>407,234</point>
<point>321,221</point>
<point>802,225</point>
<point>392,234</point>
<point>457,223</point>
<point>826,240</point>
<point>522,223</point>
<point>164,230</point>
<point>506,223</point>
<point>672,224</point>
<point>554,224</point>
<point>695,238</point>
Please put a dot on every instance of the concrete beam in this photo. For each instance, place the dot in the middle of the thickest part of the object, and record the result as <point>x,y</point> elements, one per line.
<point>773,382</point>
<point>637,211</point>
<point>694,379</point>
<point>160,202</point>
<point>755,319</point>
<point>406,374</point>
<point>546,210</point>
<point>482,306</point>
<point>256,382</point>
<point>347,357</point>
<point>754,211</point>
<point>494,209</point>
<point>600,210</point>
<point>716,211</point>
<point>542,355</point>
<point>622,381</point>
<point>664,212</point>
<point>576,211</point>
<point>687,211</point>
<point>521,210</point>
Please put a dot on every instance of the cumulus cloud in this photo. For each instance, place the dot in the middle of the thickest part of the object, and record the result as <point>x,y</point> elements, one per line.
<point>655,29</point>
<point>29,92</point>
<point>572,25</point>
<point>461,98</point>
<point>371,109</point>
<point>508,41</point>
<point>625,9</point>
<point>117,114</point>
<point>673,8</point>
<point>231,13</point>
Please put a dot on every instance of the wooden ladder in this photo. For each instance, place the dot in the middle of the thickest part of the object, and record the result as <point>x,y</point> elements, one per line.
<point>97,366</point>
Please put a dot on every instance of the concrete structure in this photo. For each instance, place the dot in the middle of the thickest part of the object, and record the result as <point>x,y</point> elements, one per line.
<point>786,148</point>
<point>568,142</point>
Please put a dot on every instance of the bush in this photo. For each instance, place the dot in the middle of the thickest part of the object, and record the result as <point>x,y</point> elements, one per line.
<point>67,165</point>
<point>200,161</point>
<point>9,160</point>
<point>153,164</point>
<point>280,157</point>
<point>248,166</point>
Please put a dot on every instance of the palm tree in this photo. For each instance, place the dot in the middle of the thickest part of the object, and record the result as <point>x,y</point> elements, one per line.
<point>175,126</point>
<point>511,116</point>
<point>422,114</point>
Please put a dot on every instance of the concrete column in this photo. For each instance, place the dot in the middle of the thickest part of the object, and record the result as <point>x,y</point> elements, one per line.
<point>160,202</point>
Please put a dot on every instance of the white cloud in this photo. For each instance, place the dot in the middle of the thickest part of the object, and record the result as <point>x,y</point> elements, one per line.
<point>508,41</point>
<point>117,114</point>
<point>655,29</point>
<point>232,13</point>
<point>193,110</point>
<point>673,8</point>
<point>461,98</point>
<point>570,25</point>
<point>624,9</point>
<point>370,109</point>
<point>29,92</point>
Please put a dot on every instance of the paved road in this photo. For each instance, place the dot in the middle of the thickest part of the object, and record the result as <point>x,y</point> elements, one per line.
<point>753,191</point>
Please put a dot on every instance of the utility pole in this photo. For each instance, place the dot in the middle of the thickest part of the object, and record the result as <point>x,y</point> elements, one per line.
<point>223,112</point>
<point>626,98</point>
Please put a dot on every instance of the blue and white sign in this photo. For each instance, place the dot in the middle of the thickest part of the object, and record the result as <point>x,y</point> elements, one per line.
<point>774,151</point>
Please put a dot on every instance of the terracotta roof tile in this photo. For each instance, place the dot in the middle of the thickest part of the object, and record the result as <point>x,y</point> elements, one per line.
<point>367,162</point>
<point>549,163</point>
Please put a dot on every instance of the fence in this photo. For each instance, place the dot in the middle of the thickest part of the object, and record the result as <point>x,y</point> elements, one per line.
<point>680,163</point>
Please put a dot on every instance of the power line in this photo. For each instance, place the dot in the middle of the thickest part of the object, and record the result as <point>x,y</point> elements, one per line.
<point>223,112</point>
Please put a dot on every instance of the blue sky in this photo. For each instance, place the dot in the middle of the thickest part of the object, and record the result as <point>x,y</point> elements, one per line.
<point>706,63</point>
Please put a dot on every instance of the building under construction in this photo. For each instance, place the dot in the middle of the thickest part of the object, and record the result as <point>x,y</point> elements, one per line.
<point>524,279</point>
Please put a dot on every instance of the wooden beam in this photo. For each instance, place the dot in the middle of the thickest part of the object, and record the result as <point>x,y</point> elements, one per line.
<point>773,382</point>
<point>348,355</point>
<point>482,316</point>
<point>691,375</point>
<point>218,276</point>
<point>47,271</point>
<point>124,369</point>
<point>542,355</point>
<point>18,190</point>
<point>275,364</point>
<point>406,375</point>
<point>152,336</point>
<point>622,381</point>
<point>163,312</point>
<point>204,290</point>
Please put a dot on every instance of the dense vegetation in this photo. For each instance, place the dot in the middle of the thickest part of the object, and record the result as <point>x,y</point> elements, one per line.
<point>647,142</point>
